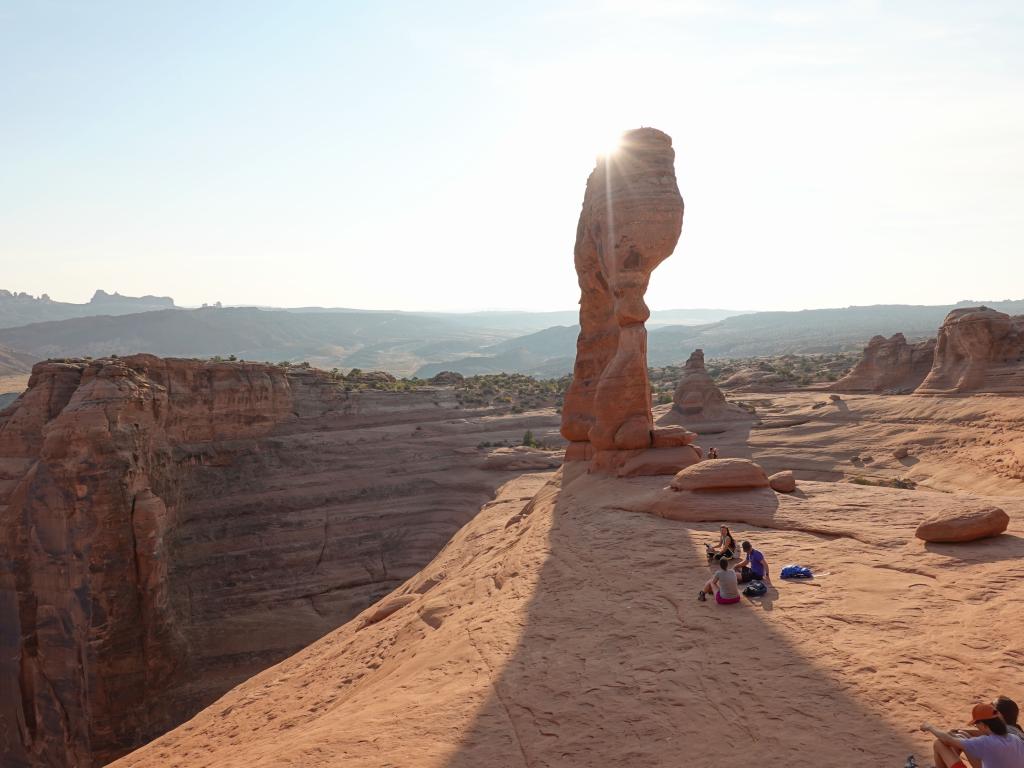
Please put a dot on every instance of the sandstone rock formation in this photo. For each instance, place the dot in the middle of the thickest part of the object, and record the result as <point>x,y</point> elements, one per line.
<point>720,475</point>
<point>889,365</point>
<point>978,350</point>
<point>169,528</point>
<point>631,219</point>
<point>697,398</point>
<point>963,525</point>
<point>783,482</point>
<point>522,458</point>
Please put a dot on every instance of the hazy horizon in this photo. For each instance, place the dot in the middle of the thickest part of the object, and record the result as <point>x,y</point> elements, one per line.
<point>434,159</point>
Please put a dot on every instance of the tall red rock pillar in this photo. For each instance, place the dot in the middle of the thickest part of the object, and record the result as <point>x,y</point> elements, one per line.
<point>631,219</point>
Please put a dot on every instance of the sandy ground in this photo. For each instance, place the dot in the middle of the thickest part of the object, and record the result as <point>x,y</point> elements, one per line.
<point>562,629</point>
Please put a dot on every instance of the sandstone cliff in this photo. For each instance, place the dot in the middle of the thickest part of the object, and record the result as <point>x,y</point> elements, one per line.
<point>978,350</point>
<point>170,527</point>
<point>889,365</point>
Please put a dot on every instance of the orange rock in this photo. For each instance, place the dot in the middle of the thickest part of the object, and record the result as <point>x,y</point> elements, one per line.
<point>783,482</point>
<point>720,474</point>
<point>965,525</point>
<point>631,219</point>
<point>670,437</point>
<point>889,365</point>
<point>978,350</point>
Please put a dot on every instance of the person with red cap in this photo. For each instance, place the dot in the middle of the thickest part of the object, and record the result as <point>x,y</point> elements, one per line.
<point>994,748</point>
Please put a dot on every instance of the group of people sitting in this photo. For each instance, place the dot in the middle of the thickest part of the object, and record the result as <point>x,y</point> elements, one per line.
<point>724,583</point>
<point>995,740</point>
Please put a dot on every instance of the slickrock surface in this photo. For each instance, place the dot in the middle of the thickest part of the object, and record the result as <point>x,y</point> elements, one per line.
<point>169,528</point>
<point>971,443</point>
<point>978,350</point>
<point>720,474</point>
<point>562,630</point>
<point>631,219</point>
<point>889,365</point>
<point>963,525</point>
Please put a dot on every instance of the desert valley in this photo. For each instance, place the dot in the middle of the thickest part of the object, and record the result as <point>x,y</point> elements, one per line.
<point>269,564</point>
<point>326,440</point>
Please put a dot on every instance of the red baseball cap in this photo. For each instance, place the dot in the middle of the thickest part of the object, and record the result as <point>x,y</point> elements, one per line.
<point>983,712</point>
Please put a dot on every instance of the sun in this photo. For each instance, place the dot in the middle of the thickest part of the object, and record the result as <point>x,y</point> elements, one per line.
<point>609,145</point>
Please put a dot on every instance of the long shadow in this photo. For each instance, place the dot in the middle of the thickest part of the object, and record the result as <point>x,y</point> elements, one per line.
<point>617,664</point>
<point>1005,547</point>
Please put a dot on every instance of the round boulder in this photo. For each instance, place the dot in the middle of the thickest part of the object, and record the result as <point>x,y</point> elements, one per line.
<point>965,525</point>
<point>783,482</point>
<point>721,475</point>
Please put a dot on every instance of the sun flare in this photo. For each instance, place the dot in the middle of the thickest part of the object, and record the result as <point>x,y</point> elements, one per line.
<point>609,145</point>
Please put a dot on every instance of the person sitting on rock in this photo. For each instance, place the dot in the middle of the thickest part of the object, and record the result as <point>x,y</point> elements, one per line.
<point>712,453</point>
<point>993,748</point>
<point>722,585</point>
<point>726,546</point>
<point>754,566</point>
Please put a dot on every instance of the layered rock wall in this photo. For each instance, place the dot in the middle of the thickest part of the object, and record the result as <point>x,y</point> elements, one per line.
<point>978,350</point>
<point>171,527</point>
<point>889,365</point>
<point>631,219</point>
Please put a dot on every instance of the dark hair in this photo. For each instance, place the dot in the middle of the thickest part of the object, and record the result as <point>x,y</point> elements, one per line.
<point>746,546</point>
<point>995,724</point>
<point>724,563</point>
<point>1008,708</point>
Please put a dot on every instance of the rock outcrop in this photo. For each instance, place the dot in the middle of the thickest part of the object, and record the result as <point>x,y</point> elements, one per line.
<point>963,525</point>
<point>697,398</point>
<point>889,365</point>
<point>631,219</point>
<point>169,528</point>
<point>720,475</point>
<point>978,350</point>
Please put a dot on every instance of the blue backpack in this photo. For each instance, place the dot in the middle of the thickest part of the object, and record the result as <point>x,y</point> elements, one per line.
<point>796,572</point>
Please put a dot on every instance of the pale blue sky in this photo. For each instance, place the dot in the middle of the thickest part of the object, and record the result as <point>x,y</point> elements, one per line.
<point>433,155</point>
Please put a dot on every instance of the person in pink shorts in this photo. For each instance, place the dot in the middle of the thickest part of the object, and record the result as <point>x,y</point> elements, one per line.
<point>723,585</point>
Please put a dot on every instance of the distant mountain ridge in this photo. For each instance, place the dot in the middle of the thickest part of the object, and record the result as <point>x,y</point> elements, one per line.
<point>18,308</point>
<point>423,344</point>
<point>551,352</point>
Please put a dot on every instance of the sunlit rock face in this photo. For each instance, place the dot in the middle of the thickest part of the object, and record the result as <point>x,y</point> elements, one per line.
<point>889,365</point>
<point>978,350</point>
<point>631,220</point>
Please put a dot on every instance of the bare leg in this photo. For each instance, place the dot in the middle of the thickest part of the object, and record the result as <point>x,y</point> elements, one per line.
<point>709,587</point>
<point>945,757</point>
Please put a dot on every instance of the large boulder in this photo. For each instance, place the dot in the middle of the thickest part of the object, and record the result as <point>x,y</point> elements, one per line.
<point>966,525</point>
<point>978,350</point>
<point>631,219</point>
<point>720,475</point>
<point>783,482</point>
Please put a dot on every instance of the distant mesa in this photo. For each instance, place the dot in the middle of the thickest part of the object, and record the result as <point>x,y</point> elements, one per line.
<point>889,365</point>
<point>978,350</point>
<point>631,220</point>
<point>115,298</point>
